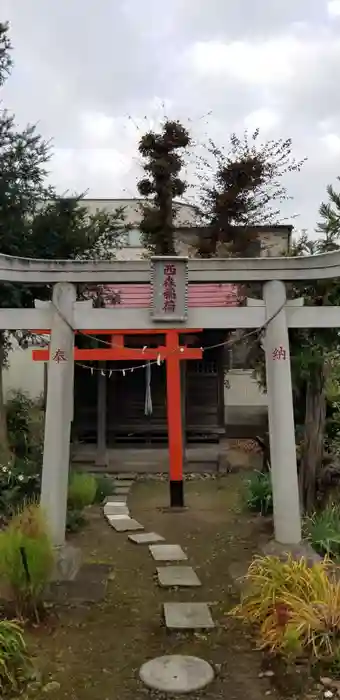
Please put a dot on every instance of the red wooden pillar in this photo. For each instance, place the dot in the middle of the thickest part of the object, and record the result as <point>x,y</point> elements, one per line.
<point>174,416</point>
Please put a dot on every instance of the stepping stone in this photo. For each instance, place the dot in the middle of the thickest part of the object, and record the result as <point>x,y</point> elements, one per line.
<point>112,518</point>
<point>125,476</point>
<point>126,483</point>
<point>116,500</point>
<point>176,674</point>
<point>114,509</point>
<point>122,490</point>
<point>177,576</point>
<point>126,525</point>
<point>167,552</point>
<point>146,538</point>
<point>187,616</point>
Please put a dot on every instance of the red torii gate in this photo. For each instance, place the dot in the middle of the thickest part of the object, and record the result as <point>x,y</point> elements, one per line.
<point>172,353</point>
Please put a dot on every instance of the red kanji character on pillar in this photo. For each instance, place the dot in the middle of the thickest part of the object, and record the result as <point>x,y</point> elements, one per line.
<point>59,356</point>
<point>279,353</point>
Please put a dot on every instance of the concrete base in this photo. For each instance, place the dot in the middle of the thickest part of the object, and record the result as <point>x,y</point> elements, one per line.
<point>182,576</point>
<point>297,551</point>
<point>167,552</point>
<point>176,674</point>
<point>68,561</point>
<point>187,616</point>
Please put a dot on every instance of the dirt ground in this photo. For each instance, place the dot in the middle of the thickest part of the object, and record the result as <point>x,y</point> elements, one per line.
<point>94,652</point>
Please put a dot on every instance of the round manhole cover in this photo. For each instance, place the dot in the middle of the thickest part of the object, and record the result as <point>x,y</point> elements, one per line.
<point>176,674</point>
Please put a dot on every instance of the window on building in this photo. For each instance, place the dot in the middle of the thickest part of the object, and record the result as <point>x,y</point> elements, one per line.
<point>134,238</point>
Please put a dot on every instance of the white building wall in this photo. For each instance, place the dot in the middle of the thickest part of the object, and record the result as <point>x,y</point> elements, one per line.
<point>23,374</point>
<point>244,401</point>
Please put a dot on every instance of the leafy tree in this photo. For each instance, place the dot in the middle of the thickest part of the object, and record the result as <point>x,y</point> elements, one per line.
<point>241,188</point>
<point>34,221</point>
<point>314,356</point>
<point>163,160</point>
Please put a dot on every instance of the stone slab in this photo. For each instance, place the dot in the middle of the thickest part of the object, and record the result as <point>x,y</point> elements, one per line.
<point>117,500</point>
<point>176,674</point>
<point>167,552</point>
<point>146,538</point>
<point>122,490</point>
<point>177,576</point>
<point>114,509</point>
<point>114,518</point>
<point>126,525</point>
<point>125,483</point>
<point>187,616</point>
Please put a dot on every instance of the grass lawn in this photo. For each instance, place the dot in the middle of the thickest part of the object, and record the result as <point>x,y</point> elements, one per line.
<point>94,652</point>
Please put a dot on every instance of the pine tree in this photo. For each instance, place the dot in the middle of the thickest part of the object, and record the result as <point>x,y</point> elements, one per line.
<point>163,161</point>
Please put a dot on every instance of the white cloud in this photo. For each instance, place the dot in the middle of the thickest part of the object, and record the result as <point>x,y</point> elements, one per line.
<point>251,62</point>
<point>333,7</point>
<point>99,171</point>
<point>264,118</point>
<point>96,126</point>
<point>332,144</point>
<point>279,61</point>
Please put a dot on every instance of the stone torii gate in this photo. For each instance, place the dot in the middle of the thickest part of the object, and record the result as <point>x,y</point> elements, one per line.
<point>65,314</point>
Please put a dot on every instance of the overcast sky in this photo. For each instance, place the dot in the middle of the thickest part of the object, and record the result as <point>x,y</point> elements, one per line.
<point>89,73</point>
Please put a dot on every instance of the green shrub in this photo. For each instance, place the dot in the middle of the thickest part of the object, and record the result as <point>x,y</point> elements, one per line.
<point>259,496</point>
<point>105,488</point>
<point>75,521</point>
<point>81,491</point>
<point>14,658</point>
<point>25,423</point>
<point>322,529</point>
<point>19,482</point>
<point>26,560</point>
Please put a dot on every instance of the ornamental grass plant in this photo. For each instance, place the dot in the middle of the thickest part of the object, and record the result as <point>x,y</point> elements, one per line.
<point>26,561</point>
<point>14,657</point>
<point>294,607</point>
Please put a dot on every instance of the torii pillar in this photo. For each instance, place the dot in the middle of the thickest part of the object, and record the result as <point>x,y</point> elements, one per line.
<point>287,518</point>
<point>59,412</point>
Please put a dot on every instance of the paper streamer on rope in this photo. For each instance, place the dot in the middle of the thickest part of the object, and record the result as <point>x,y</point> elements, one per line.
<point>148,399</point>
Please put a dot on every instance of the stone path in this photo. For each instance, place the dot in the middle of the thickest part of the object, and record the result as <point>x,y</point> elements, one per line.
<point>177,616</point>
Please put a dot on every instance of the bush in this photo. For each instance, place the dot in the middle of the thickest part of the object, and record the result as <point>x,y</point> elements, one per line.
<point>20,478</point>
<point>75,521</point>
<point>19,482</point>
<point>295,607</point>
<point>322,529</point>
<point>26,560</point>
<point>25,423</point>
<point>81,491</point>
<point>105,488</point>
<point>259,496</point>
<point>14,659</point>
